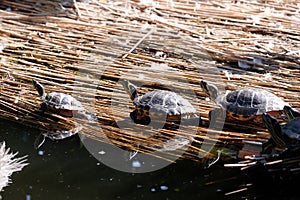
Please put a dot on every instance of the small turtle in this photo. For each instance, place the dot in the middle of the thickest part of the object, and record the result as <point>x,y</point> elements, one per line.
<point>247,103</point>
<point>64,105</point>
<point>160,103</point>
<point>287,136</point>
<point>61,103</point>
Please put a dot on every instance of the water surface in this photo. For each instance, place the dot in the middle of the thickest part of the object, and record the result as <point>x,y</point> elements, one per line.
<point>66,170</point>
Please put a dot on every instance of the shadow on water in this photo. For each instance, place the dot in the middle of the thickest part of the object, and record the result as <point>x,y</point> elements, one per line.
<point>66,170</point>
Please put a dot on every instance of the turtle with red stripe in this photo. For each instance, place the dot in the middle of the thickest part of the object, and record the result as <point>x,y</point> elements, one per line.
<point>64,105</point>
<point>247,103</point>
<point>61,103</point>
<point>159,104</point>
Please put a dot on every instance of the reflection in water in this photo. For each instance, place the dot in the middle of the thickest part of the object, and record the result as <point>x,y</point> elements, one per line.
<point>65,170</point>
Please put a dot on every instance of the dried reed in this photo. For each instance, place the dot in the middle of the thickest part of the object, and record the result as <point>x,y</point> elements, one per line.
<point>84,48</point>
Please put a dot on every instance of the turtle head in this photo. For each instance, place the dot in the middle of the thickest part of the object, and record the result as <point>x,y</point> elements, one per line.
<point>290,112</point>
<point>39,88</point>
<point>210,89</point>
<point>130,89</point>
<point>274,128</point>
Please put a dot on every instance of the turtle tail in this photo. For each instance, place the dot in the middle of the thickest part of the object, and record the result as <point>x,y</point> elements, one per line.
<point>130,89</point>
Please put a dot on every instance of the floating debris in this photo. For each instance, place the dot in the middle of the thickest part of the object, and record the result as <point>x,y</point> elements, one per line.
<point>250,148</point>
<point>40,153</point>
<point>164,187</point>
<point>102,152</point>
<point>28,197</point>
<point>236,191</point>
<point>136,164</point>
<point>9,164</point>
<point>283,164</point>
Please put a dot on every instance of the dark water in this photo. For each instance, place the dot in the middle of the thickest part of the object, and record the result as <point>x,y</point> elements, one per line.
<point>66,170</point>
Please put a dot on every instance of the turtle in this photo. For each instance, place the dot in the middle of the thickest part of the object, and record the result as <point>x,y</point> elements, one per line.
<point>64,105</point>
<point>245,104</point>
<point>158,103</point>
<point>286,137</point>
<point>61,103</point>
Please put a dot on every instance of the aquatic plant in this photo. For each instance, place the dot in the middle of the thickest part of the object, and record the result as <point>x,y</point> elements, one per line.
<point>9,164</point>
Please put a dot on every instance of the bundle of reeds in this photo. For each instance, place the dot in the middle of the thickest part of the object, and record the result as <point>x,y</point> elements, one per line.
<point>283,166</point>
<point>84,48</point>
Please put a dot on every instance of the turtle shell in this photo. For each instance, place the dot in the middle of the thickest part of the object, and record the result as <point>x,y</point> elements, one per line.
<point>165,102</point>
<point>292,129</point>
<point>62,101</point>
<point>249,102</point>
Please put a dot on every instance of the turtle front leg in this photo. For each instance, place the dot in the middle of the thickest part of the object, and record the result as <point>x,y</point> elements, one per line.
<point>217,119</point>
<point>43,108</point>
<point>217,114</point>
<point>41,111</point>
